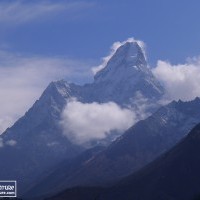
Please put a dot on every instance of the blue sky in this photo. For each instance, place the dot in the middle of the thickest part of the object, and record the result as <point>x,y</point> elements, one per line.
<point>46,40</point>
<point>86,29</point>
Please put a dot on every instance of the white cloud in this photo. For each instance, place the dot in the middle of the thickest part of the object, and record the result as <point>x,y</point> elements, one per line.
<point>21,11</point>
<point>23,79</point>
<point>11,142</point>
<point>181,81</point>
<point>113,49</point>
<point>83,122</point>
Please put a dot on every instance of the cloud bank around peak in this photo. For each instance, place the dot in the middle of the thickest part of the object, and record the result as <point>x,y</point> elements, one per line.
<point>83,122</point>
<point>113,49</point>
<point>181,81</point>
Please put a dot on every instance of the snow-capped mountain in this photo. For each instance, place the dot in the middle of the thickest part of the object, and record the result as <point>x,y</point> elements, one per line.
<point>35,142</point>
<point>127,72</point>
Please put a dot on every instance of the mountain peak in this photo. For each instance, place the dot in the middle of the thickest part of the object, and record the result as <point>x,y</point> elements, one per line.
<point>128,59</point>
<point>127,70</point>
<point>130,51</point>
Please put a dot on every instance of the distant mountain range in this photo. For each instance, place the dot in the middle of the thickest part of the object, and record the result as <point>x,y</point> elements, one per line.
<point>35,142</point>
<point>173,176</point>
<point>137,147</point>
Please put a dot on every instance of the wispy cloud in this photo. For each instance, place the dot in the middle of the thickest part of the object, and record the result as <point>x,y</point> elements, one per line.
<point>23,11</point>
<point>22,80</point>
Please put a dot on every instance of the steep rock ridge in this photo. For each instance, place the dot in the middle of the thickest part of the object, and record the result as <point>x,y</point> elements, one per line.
<point>35,142</point>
